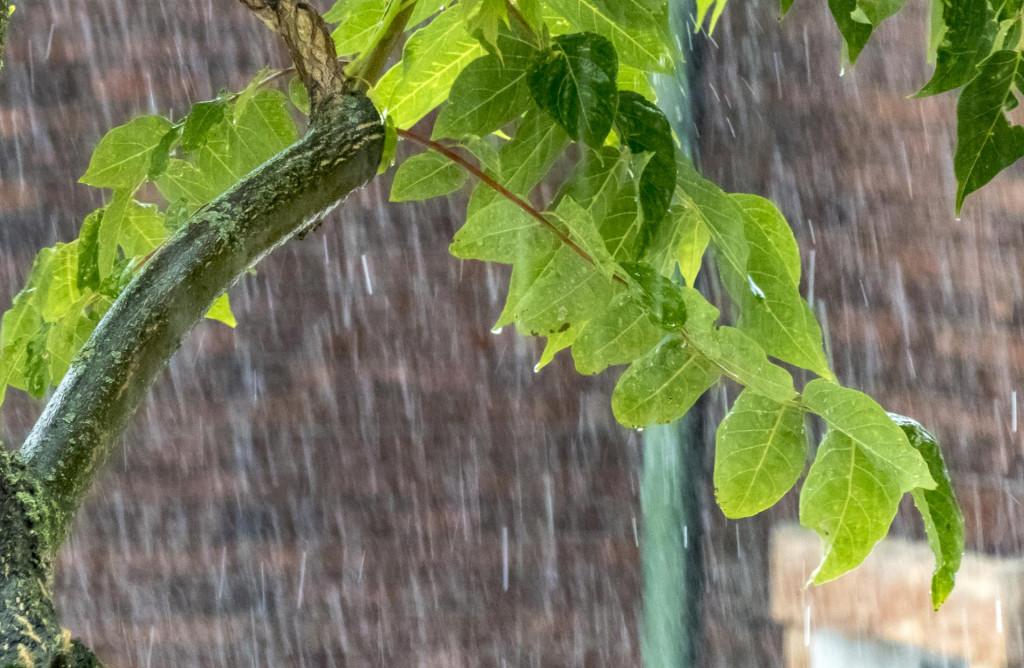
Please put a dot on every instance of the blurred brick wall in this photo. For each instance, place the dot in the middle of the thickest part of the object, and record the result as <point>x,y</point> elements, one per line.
<point>331,483</point>
<point>923,311</point>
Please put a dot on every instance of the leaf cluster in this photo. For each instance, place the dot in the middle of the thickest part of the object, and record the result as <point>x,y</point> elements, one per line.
<point>595,269</point>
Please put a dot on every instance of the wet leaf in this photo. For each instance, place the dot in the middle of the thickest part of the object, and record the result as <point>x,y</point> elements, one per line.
<point>122,157</point>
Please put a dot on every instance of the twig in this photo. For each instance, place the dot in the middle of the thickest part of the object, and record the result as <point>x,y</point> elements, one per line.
<point>501,190</point>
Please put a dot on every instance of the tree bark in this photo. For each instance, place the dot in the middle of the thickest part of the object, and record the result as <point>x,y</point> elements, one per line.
<point>42,486</point>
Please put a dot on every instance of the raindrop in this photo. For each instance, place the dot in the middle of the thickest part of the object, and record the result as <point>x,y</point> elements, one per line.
<point>497,330</point>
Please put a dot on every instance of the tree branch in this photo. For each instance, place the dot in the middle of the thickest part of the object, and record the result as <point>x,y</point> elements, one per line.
<point>92,405</point>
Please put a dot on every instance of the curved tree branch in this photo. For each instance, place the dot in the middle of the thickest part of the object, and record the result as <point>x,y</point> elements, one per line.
<point>43,485</point>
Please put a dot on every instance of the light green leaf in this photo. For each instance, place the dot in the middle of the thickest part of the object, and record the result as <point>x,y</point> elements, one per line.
<point>760,452</point>
<point>662,385</point>
<point>24,318</point>
<point>986,142</point>
<point>145,231</point>
<point>221,311</point>
<point>943,521</point>
<point>501,232</point>
<point>849,500</point>
<point>618,335</point>
<point>12,366</point>
<point>432,60</point>
<point>557,343</point>
<point>703,7</point>
<point>693,242</point>
<point>116,219</point>
<point>63,291</point>
<point>359,21</point>
<point>88,251</point>
<point>723,219</point>
<point>636,80</point>
<point>643,49</point>
<point>298,94</point>
<point>426,175</point>
<point>620,226</point>
<point>857,417</point>
<point>772,309</point>
<point>579,225</point>
<point>568,290</point>
<point>122,157</point>
<point>67,336</point>
<point>596,180</point>
<point>745,361</point>
<point>489,93</point>
<point>182,180</point>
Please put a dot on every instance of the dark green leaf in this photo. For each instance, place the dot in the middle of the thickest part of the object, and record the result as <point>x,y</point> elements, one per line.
<point>969,30</point>
<point>161,155</point>
<point>943,521</point>
<point>642,48</point>
<point>876,11</point>
<point>855,34</point>
<point>643,127</point>
<point>660,297</point>
<point>203,117</point>
<point>986,142</point>
<point>575,83</point>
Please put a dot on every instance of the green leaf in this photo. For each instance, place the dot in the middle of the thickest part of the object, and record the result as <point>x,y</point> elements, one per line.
<point>662,385</point>
<point>358,22</point>
<point>116,218</point>
<point>760,452</point>
<point>634,13</point>
<point>145,231</point>
<point>200,120</point>
<point>636,80</point>
<point>88,251</point>
<point>643,49</point>
<point>489,93</point>
<point>575,83</point>
<point>660,297</point>
<point>579,226</point>
<point>703,6</point>
<point>24,318</point>
<point>874,12</point>
<point>12,366</point>
<point>784,7</point>
<point>387,157</point>
<point>943,521</point>
<point>643,127</point>
<point>161,155</point>
<point>849,500</point>
<point>855,33</point>
<point>772,309</point>
<point>63,291</point>
<point>693,242</point>
<point>557,343</point>
<point>37,363</point>
<point>426,175</point>
<point>67,336</point>
<point>618,335</point>
<point>596,181</point>
<point>500,232</point>
<point>298,94</point>
<point>966,39</point>
<point>487,19</point>
<point>122,157</point>
<point>221,311</point>
<point>620,226</point>
<point>183,181</point>
<point>724,221</point>
<point>866,424</point>
<point>432,60</point>
<point>568,290</point>
<point>744,360</point>
<point>986,142</point>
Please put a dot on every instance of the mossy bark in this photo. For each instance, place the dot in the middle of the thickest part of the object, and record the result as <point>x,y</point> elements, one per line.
<point>43,485</point>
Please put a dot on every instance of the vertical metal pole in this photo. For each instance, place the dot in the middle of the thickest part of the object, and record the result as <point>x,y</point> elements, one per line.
<point>673,462</point>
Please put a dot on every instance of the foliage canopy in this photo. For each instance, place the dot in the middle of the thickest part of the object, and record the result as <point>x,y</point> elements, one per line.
<point>526,91</point>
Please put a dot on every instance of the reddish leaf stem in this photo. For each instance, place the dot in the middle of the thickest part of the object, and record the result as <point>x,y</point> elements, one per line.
<point>498,188</point>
